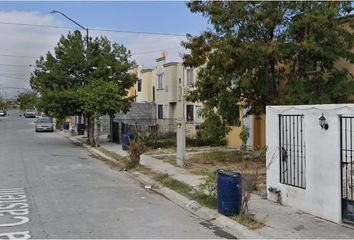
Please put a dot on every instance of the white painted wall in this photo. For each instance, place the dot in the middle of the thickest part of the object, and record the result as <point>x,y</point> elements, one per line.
<point>322,196</point>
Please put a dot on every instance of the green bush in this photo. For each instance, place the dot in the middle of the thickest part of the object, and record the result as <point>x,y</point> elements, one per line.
<point>212,131</point>
<point>162,143</point>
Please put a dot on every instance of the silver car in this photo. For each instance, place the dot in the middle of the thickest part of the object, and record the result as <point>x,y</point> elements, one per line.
<point>44,124</point>
<point>2,113</point>
<point>30,113</point>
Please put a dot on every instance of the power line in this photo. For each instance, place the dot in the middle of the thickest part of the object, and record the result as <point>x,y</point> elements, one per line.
<point>13,65</point>
<point>24,78</point>
<point>93,29</point>
<point>138,32</point>
<point>16,88</point>
<point>138,53</point>
<point>19,56</point>
<point>14,74</point>
<point>153,51</point>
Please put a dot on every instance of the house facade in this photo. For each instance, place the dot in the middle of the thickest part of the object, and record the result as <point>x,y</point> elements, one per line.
<point>167,85</point>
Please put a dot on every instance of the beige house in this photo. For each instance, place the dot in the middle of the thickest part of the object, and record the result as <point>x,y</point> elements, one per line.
<point>166,85</point>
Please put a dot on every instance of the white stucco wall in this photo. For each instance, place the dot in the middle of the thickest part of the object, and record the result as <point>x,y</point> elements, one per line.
<point>322,195</point>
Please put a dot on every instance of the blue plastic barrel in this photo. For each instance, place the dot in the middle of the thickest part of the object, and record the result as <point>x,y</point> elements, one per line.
<point>229,192</point>
<point>126,141</point>
<point>66,125</point>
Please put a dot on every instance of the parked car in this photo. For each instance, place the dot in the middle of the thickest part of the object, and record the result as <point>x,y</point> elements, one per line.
<point>30,113</point>
<point>44,124</point>
<point>2,113</point>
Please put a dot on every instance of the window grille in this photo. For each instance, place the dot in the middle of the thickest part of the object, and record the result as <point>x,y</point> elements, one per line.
<point>292,150</point>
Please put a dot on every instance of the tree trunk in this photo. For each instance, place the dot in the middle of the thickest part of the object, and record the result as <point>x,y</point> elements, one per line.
<point>110,128</point>
<point>98,128</point>
<point>90,131</point>
<point>88,119</point>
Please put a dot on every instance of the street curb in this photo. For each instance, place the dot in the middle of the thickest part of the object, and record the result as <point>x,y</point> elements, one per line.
<point>226,224</point>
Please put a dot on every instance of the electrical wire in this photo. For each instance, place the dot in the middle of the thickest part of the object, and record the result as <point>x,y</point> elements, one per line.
<point>93,29</point>
<point>133,54</point>
<point>18,78</point>
<point>19,56</point>
<point>13,65</point>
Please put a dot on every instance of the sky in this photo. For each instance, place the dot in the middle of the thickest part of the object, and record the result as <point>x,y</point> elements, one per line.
<point>21,45</point>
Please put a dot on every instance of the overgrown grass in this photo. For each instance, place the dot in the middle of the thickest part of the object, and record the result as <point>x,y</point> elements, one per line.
<point>205,200</point>
<point>119,158</point>
<point>165,142</point>
<point>186,190</point>
<point>219,156</point>
<point>174,184</point>
<point>247,221</point>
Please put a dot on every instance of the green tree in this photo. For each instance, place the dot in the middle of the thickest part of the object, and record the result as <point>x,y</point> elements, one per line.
<point>2,103</point>
<point>257,53</point>
<point>109,66</point>
<point>57,76</point>
<point>27,100</point>
<point>99,98</point>
<point>75,80</point>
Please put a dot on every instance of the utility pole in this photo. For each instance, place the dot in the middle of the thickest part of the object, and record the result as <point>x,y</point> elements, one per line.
<point>181,129</point>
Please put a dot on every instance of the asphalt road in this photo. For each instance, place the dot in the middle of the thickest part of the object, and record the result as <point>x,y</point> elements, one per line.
<point>50,188</point>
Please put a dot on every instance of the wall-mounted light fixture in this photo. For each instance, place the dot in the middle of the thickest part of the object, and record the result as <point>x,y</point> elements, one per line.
<point>322,121</point>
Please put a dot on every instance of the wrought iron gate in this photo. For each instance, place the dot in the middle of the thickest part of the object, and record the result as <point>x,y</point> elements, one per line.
<point>347,168</point>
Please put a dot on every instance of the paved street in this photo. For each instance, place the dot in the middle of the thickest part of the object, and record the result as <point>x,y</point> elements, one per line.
<point>53,189</point>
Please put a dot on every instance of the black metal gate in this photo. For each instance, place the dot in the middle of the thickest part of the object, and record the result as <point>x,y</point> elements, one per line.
<point>347,170</point>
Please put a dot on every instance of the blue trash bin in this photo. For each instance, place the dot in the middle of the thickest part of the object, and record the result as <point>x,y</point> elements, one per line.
<point>66,125</point>
<point>126,138</point>
<point>229,192</point>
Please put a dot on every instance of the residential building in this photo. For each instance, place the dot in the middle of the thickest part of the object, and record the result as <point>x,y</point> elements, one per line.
<point>166,85</point>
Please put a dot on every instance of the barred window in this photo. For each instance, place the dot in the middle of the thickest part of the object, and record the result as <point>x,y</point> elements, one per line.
<point>190,113</point>
<point>292,150</point>
<point>160,111</point>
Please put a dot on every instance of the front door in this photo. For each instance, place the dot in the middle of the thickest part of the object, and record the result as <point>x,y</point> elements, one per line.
<point>347,167</point>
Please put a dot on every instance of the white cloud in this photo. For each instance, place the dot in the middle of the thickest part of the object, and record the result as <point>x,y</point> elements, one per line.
<point>23,41</point>
<point>36,41</point>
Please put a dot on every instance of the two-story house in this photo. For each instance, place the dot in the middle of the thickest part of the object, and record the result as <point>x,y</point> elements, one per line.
<point>167,85</point>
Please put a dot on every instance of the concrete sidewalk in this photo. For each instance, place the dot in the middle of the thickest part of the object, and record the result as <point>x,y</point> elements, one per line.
<point>280,221</point>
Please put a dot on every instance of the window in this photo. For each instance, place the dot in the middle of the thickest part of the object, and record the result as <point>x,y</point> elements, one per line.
<point>160,111</point>
<point>190,113</point>
<point>139,85</point>
<point>153,94</point>
<point>292,150</point>
<point>198,114</point>
<point>234,117</point>
<point>160,81</point>
<point>190,76</point>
